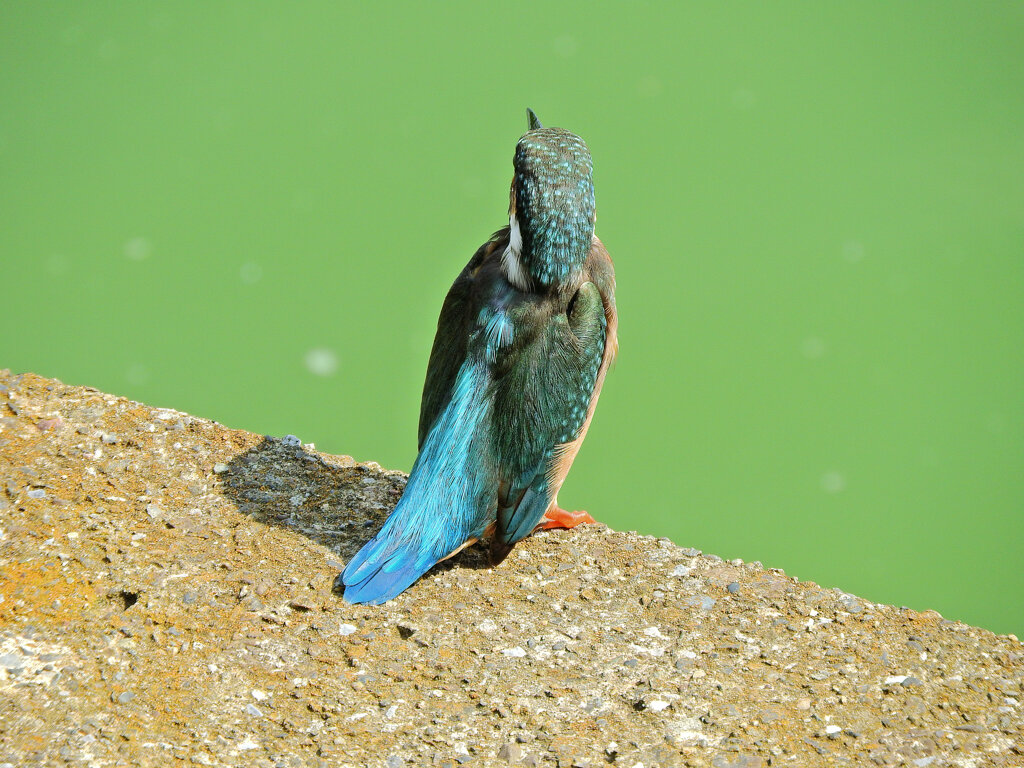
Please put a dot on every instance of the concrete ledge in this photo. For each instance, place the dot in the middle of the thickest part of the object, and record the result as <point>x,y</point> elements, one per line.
<point>165,596</point>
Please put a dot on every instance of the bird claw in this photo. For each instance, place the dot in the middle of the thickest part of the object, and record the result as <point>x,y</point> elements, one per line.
<point>556,517</point>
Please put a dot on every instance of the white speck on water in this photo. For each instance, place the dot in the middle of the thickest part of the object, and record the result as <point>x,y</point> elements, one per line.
<point>109,49</point>
<point>649,86</point>
<point>516,652</point>
<point>565,46</point>
<point>853,251</point>
<point>995,423</point>
<point>322,361</point>
<point>137,374</point>
<point>57,264</point>
<point>221,118</point>
<point>743,98</point>
<point>346,629</point>
<point>833,482</point>
<point>138,249</point>
<point>250,272</point>
<point>160,21</point>
<point>812,347</point>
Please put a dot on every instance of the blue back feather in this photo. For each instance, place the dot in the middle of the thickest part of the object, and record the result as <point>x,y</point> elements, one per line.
<point>449,498</point>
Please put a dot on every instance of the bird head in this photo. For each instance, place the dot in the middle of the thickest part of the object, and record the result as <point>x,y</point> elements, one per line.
<point>552,208</point>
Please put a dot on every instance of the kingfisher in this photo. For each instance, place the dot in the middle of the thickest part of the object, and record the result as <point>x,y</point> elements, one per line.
<point>524,340</point>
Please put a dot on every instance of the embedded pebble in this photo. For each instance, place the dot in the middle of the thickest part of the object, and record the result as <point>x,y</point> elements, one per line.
<point>704,602</point>
<point>10,661</point>
<point>510,753</point>
<point>851,604</point>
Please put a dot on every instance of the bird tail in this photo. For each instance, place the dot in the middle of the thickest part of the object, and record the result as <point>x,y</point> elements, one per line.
<point>446,502</point>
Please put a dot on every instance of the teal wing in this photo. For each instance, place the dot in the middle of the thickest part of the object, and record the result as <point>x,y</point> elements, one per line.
<point>543,389</point>
<point>449,497</point>
<point>454,327</point>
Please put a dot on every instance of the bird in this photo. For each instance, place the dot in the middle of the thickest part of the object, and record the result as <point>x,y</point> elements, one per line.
<point>525,337</point>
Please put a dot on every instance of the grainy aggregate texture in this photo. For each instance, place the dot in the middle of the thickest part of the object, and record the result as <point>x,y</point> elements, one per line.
<point>165,598</point>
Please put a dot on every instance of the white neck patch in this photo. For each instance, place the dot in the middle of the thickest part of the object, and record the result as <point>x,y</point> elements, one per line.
<point>510,263</point>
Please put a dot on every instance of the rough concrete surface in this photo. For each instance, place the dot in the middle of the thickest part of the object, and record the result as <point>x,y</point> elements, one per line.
<point>165,597</point>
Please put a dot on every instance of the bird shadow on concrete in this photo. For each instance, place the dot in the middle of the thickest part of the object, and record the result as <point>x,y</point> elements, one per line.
<point>331,500</point>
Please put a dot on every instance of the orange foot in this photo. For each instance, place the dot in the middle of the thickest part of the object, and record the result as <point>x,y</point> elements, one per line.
<point>556,517</point>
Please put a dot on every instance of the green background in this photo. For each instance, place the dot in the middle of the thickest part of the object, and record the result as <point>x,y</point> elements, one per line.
<point>252,212</point>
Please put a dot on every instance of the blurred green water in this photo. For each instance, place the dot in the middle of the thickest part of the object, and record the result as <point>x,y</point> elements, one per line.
<point>252,212</point>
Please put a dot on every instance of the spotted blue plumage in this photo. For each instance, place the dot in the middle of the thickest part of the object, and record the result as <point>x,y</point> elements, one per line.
<point>554,167</point>
<point>524,336</point>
